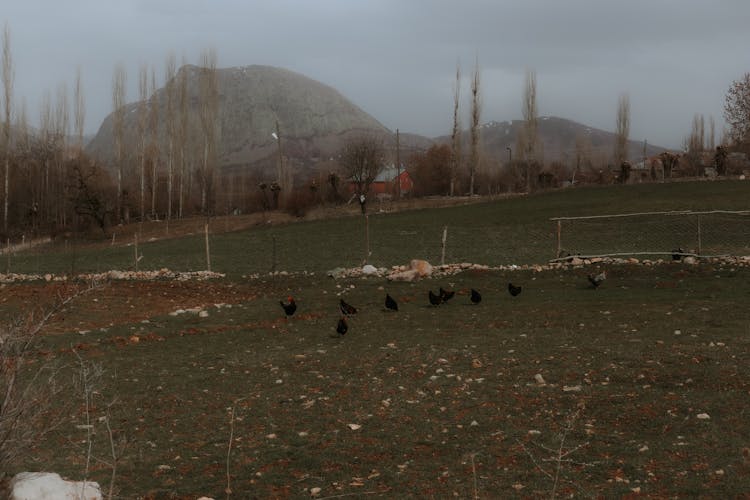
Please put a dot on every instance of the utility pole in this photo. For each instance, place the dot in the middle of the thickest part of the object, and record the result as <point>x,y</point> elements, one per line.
<point>279,168</point>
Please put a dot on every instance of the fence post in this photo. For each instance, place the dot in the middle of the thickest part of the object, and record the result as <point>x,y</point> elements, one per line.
<point>445,238</point>
<point>367,238</point>
<point>7,251</point>
<point>559,239</point>
<point>698,223</point>
<point>208,250</point>
<point>135,247</point>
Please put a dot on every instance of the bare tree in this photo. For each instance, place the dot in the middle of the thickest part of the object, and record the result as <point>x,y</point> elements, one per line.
<point>8,78</point>
<point>142,127</point>
<point>696,140</point>
<point>79,115</point>
<point>737,111</point>
<point>208,115</point>
<point>622,129</point>
<point>61,126</point>
<point>456,133</point>
<point>169,121</point>
<point>118,118</point>
<point>183,131</point>
<point>362,161</point>
<point>711,133</point>
<point>476,112</point>
<point>45,153</point>
<point>153,148</point>
<point>90,198</point>
<point>530,117</point>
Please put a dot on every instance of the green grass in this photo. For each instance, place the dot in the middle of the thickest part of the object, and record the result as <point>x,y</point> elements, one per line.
<point>511,231</point>
<point>416,381</point>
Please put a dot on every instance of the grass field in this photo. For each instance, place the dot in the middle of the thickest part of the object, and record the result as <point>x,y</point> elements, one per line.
<point>645,379</point>
<point>512,231</point>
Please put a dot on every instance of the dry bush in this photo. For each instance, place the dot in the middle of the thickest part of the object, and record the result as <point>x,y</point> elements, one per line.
<point>29,386</point>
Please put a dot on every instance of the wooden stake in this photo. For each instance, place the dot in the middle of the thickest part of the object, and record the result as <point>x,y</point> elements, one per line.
<point>559,238</point>
<point>135,249</point>
<point>445,238</point>
<point>698,221</point>
<point>208,250</point>
<point>367,238</point>
<point>7,252</point>
<point>273,254</point>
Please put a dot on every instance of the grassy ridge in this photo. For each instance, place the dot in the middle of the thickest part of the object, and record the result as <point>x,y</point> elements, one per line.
<point>515,230</point>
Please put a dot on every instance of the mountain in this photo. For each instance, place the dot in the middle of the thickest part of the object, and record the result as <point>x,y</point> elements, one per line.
<point>559,138</point>
<point>314,119</point>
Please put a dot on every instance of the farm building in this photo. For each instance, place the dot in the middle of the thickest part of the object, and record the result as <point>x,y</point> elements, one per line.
<point>388,181</point>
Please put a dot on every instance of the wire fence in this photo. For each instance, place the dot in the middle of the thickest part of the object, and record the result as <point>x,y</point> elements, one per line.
<point>713,233</point>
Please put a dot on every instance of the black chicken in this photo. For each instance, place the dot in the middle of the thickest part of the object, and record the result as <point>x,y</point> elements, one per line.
<point>598,279</point>
<point>435,300</point>
<point>342,327</point>
<point>445,295</point>
<point>390,303</point>
<point>347,309</point>
<point>513,289</point>
<point>475,297</point>
<point>290,307</point>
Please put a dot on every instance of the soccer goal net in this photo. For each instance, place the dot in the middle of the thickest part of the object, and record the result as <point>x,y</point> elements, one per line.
<point>706,234</point>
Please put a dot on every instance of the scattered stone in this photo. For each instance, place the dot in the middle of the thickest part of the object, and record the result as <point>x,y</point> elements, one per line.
<point>703,416</point>
<point>50,486</point>
<point>539,379</point>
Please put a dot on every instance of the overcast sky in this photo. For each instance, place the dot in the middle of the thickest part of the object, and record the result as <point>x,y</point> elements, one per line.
<point>396,59</point>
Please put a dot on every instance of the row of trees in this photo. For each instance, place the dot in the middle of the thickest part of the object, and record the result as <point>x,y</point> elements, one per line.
<point>51,186</point>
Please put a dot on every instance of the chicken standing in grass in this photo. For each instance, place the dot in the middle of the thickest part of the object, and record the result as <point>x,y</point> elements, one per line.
<point>475,297</point>
<point>342,327</point>
<point>513,289</point>
<point>390,303</point>
<point>446,295</point>
<point>290,307</point>
<point>598,279</point>
<point>347,309</point>
<point>435,300</point>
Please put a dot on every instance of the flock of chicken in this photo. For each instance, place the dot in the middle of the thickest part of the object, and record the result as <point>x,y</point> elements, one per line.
<point>442,297</point>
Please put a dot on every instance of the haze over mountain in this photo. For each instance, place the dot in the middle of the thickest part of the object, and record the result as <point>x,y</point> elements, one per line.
<point>315,121</point>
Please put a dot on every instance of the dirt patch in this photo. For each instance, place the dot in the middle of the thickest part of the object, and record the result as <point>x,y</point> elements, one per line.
<point>119,302</point>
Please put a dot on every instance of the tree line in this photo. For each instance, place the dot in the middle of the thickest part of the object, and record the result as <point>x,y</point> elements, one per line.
<point>166,167</point>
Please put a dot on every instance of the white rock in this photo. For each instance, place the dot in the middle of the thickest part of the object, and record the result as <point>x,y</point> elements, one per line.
<point>369,270</point>
<point>571,388</point>
<point>703,416</point>
<point>50,486</point>
<point>539,379</point>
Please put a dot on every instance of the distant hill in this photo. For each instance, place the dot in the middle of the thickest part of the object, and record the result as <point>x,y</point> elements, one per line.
<point>558,137</point>
<point>314,119</point>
